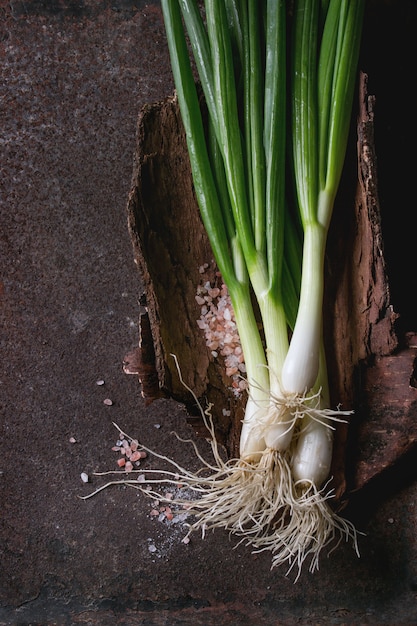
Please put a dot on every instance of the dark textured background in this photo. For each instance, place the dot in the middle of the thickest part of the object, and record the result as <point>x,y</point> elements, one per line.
<point>74,76</point>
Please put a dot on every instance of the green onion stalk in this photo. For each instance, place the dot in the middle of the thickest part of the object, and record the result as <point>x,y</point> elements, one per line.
<point>324,67</point>
<point>270,245</point>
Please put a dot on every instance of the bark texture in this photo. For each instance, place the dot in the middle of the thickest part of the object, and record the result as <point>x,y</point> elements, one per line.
<point>171,247</point>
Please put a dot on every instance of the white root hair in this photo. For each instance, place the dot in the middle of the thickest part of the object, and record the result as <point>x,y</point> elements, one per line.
<point>258,501</point>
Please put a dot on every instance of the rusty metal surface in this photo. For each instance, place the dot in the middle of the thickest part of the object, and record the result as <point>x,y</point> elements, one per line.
<point>73,78</point>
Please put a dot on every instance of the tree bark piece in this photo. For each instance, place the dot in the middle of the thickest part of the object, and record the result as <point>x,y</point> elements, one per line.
<point>388,430</point>
<point>170,247</point>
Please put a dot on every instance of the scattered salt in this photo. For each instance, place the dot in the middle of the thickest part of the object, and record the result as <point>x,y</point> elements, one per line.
<point>218,323</point>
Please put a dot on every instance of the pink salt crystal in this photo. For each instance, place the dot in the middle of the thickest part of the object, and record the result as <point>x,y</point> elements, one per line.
<point>143,454</point>
<point>108,402</point>
<point>121,462</point>
<point>134,445</point>
<point>154,513</point>
<point>135,456</point>
<point>116,448</point>
<point>128,466</point>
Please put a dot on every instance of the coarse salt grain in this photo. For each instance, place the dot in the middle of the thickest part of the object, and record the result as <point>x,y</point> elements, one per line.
<point>219,326</point>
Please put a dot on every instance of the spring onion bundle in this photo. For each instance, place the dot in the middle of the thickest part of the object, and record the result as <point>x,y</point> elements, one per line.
<point>270,242</point>
<point>277,111</point>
